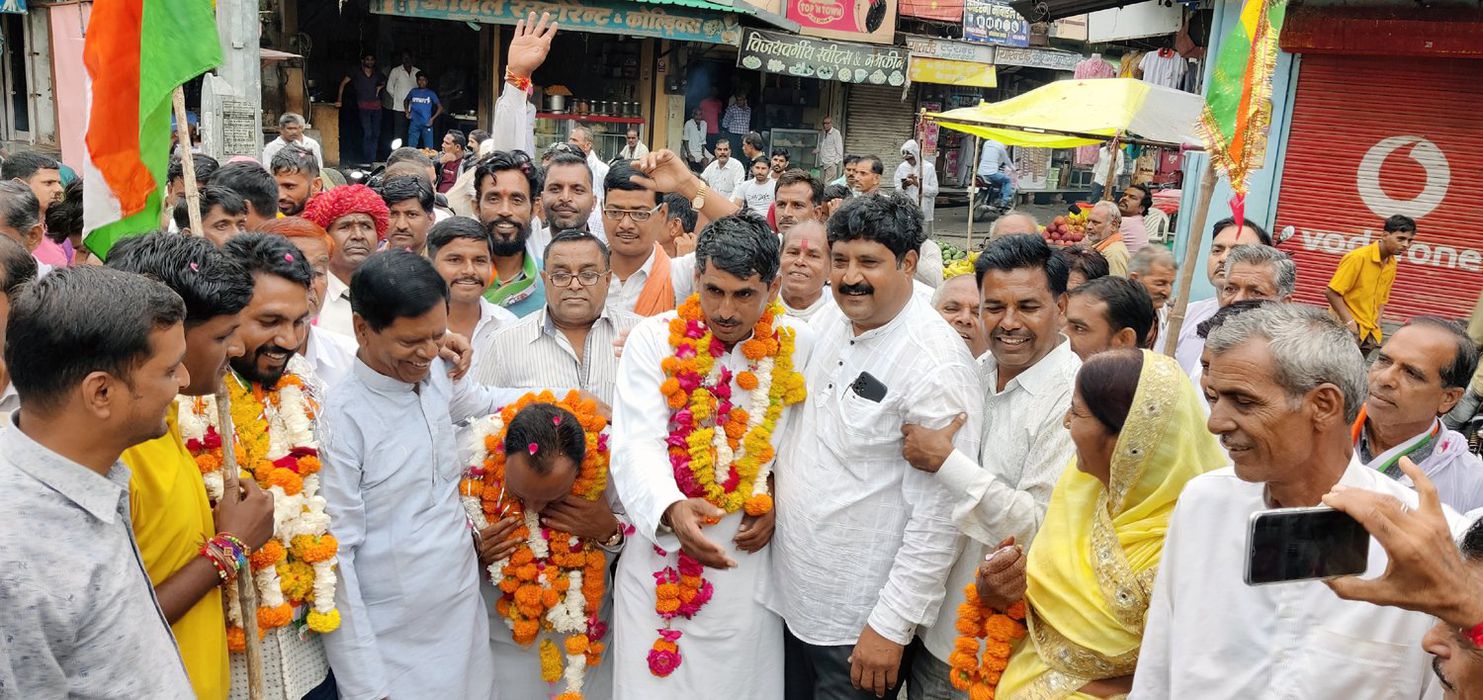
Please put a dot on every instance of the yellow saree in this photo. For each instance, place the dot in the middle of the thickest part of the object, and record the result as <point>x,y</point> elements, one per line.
<point>1091,566</point>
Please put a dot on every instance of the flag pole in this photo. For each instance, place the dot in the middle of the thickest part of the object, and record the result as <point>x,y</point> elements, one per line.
<point>1191,258</point>
<point>187,165</point>
<point>246,591</point>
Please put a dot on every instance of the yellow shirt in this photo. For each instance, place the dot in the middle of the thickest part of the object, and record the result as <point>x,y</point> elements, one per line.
<point>1116,253</point>
<point>1364,283</point>
<point>172,517</point>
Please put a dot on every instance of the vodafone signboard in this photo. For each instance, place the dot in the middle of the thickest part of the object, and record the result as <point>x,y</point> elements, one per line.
<point>1372,137</point>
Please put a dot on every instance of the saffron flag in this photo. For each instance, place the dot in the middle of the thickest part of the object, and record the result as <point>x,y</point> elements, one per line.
<point>137,52</point>
<point>1238,101</point>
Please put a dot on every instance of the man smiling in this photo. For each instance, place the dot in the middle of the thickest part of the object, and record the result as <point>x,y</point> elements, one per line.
<point>805,266</point>
<point>505,185</point>
<point>957,301</point>
<point>462,253</point>
<point>356,219</point>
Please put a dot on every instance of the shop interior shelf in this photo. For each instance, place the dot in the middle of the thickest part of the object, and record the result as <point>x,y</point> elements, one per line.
<point>591,118</point>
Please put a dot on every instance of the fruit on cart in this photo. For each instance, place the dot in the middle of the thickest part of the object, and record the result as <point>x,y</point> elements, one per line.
<point>1066,230</point>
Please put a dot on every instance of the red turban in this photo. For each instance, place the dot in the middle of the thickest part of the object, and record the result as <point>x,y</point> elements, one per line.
<point>329,206</point>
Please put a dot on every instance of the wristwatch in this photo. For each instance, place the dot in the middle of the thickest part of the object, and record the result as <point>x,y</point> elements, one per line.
<point>615,540</point>
<point>699,200</point>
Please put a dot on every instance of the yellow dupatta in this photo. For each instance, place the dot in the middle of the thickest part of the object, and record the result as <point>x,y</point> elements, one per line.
<point>1091,566</point>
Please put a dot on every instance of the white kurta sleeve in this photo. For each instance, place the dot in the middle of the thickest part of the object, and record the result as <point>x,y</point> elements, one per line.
<point>513,127</point>
<point>915,586</point>
<point>929,181</point>
<point>989,508</point>
<point>351,649</point>
<point>640,466</point>
<point>1152,678</point>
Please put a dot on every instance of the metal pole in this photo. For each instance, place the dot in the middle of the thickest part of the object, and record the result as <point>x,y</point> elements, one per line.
<point>187,165</point>
<point>246,591</point>
<point>1191,257</point>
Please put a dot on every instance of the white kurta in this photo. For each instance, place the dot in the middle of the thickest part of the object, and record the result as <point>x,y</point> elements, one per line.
<point>412,622</point>
<point>733,646</point>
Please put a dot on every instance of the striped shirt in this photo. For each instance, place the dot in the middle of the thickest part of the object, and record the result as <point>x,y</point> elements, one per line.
<point>534,354</point>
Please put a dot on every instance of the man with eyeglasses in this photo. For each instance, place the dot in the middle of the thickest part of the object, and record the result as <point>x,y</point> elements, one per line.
<point>645,280</point>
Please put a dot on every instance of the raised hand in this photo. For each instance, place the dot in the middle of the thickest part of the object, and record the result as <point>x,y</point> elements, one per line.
<point>531,44</point>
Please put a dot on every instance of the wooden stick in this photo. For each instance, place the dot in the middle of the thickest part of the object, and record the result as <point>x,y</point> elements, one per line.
<point>921,169</point>
<point>246,591</point>
<point>187,165</point>
<point>1191,258</point>
<point>1111,171</point>
<point>972,193</point>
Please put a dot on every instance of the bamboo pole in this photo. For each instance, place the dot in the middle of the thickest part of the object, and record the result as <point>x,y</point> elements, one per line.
<point>921,153</point>
<point>1111,170</point>
<point>1191,258</point>
<point>972,192</point>
<point>246,591</point>
<point>187,165</point>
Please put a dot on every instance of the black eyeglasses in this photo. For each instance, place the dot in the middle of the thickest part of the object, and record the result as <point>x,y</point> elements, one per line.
<point>638,216</point>
<point>586,278</point>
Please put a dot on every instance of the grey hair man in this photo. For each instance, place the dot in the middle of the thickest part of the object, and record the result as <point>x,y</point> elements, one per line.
<point>1258,272</point>
<point>1154,266</point>
<point>291,131</point>
<point>20,215</point>
<point>1104,237</point>
<point>1014,223</point>
<point>1285,383</point>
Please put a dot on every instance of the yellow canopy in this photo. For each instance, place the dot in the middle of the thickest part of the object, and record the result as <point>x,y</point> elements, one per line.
<point>1070,113</point>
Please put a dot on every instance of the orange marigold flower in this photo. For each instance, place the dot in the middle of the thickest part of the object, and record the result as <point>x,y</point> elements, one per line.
<point>207,462</point>
<point>270,618</point>
<point>509,585</point>
<point>314,548</point>
<point>528,595</point>
<point>1016,610</point>
<point>576,644</point>
<point>309,464</point>
<point>669,365</point>
<point>525,631</point>
<point>522,556</point>
<point>269,554</point>
<point>665,645</point>
<point>746,380</point>
<point>1000,628</point>
<point>981,692</point>
<point>527,572</point>
<point>967,645</point>
<point>550,597</point>
<point>667,590</point>
<point>759,504</point>
<point>997,651</point>
<point>670,387</point>
<point>675,401</point>
<point>667,605</point>
<point>236,639</point>
<point>285,479</point>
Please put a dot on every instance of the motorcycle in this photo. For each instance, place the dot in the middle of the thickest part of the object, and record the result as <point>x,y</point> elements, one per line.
<point>986,203</point>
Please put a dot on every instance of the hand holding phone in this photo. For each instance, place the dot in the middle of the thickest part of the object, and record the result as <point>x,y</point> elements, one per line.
<point>1297,544</point>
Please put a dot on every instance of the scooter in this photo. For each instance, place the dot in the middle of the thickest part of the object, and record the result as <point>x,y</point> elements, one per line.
<point>986,203</point>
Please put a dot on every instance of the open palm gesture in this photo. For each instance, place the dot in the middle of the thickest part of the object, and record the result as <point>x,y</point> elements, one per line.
<point>531,44</point>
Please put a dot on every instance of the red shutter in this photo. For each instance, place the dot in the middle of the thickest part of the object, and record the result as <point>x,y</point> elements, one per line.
<point>1375,136</point>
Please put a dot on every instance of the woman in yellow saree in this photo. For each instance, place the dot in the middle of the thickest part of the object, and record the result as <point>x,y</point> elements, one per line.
<point>1140,436</point>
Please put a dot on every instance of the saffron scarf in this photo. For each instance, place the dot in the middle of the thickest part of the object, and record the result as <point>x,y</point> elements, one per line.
<point>1092,564</point>
<point>658,294</point>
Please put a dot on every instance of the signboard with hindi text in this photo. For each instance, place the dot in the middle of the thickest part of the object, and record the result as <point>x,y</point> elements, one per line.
<point>994,22</point>
<point>799,56</point>
<point>943,72</point>
<point>605,16</point>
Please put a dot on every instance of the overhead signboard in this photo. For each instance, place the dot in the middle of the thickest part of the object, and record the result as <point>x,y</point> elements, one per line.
<point>1036,58</point>
<point>851,20</point>
<point>994,22</point>
<point>947,49</point>
<point>800,56</point>
<point>605,16</point>
<point>944,72</point>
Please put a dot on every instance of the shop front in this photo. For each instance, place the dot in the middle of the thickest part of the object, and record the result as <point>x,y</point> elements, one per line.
<point>1385,121</point>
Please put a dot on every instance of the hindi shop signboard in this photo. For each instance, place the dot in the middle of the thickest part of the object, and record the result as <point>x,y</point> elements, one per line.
<point>605,16</point>
<point>994,22</point>
<point>786,54</point>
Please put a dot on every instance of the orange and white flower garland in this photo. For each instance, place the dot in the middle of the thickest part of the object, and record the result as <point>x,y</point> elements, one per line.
<point>999,630</point>
<point>554,581</point>
<point>718,451</point>
<point>276,446</point>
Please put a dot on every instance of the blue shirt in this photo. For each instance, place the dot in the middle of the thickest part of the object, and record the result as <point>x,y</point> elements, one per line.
<point>422,101</point>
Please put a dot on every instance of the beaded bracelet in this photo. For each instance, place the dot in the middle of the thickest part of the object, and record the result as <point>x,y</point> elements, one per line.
<point>227,553</point>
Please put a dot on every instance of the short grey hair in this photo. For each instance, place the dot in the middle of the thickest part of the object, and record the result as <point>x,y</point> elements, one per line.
<point>1112,211</point>
<point>291,118</point>
<point>1150,256</point>
<point>1013,213</point>
<point>1284,270</point>
<point>19,208</point>
<point>1308,349</point>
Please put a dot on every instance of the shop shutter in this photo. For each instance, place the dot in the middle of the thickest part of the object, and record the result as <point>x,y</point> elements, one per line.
<point>1375,136</point>
<point>877,121</point>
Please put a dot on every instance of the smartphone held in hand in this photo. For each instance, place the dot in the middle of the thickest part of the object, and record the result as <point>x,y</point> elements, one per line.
<point>1297,544</point>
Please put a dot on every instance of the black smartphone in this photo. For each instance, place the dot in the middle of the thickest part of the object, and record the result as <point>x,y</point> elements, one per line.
<point>868,387</point>
<point>1297,544</point>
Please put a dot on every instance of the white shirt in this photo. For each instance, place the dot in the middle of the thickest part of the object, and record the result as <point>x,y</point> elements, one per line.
<point>279,144</point>
<point>1023,450</point>
<point>1209,635</point>
<point>634,152</point>
<point>534,353</point>
<point>1159,69</point>
<point>929,186</point>
<point>492,319</point>
<point>599,174</point>
<point>1104,161</point>
<point>831,147</point>
<point>861,536</point>
<point>330,354</point>
<point>929,264</point>
<point>755,196</point>
<point>335,314</point>
<point>825,300</point>
<point>399,82</point>
<point>723,179</point>
<point>624,295</point>
<point>10,402</point>
<point>694,139</point>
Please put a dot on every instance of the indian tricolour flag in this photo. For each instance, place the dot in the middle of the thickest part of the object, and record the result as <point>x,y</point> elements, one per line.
<point>1238,98</point>
<point>137,52</point>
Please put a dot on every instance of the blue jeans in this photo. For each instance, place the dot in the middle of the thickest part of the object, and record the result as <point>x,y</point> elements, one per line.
<point>370,133</point>
<point>420,133</point>
<point>929,677</point>
<point>823,673</point>
<point>1006,188</point>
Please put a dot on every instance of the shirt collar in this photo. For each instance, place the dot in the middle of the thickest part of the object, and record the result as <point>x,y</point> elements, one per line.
<point>1041,378</point>
<point>888,327</point>
<point>98,495</point>
<point>546,326</point>
<point>1374,252</point>
<point>336,289</point>
<point>381,383</point>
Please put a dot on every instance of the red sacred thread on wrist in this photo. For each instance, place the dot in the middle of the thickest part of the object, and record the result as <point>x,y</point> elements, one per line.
<point>1474,635</point>
<point>521,82</point>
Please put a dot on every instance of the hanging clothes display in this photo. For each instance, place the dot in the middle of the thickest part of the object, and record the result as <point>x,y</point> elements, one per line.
<point>1129,65</point>
<point>1164,67</point>
<point>1094,67</point>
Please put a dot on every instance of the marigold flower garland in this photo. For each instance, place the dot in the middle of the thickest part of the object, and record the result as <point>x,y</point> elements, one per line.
<point>718,450</point>
<point>276,446</point>
<point>999,630</point>
<point>554,581</point>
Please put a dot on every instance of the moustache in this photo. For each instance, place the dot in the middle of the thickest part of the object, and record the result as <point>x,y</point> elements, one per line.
<point>496,222</point>
<point>470,279</point>
<point>856,289</point>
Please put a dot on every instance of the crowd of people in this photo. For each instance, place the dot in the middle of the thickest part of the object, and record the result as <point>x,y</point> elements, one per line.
<point>556,434</point>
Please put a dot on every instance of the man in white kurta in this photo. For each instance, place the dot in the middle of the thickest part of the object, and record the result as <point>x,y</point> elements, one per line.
<point>412,622</point>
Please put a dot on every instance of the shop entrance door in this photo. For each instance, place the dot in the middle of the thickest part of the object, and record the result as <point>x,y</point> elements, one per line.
<point>15,86</point>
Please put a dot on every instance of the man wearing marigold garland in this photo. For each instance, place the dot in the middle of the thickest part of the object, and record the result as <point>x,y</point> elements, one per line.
<point>413,622</point>
<point>273,402</point>
<point>167,501</point>
<point>701,401</point>
<point>865,542</point>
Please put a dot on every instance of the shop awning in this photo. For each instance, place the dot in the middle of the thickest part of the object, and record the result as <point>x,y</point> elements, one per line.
<point>1049,10</point>
<point>676,20</point>
<point>1070,113</point>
